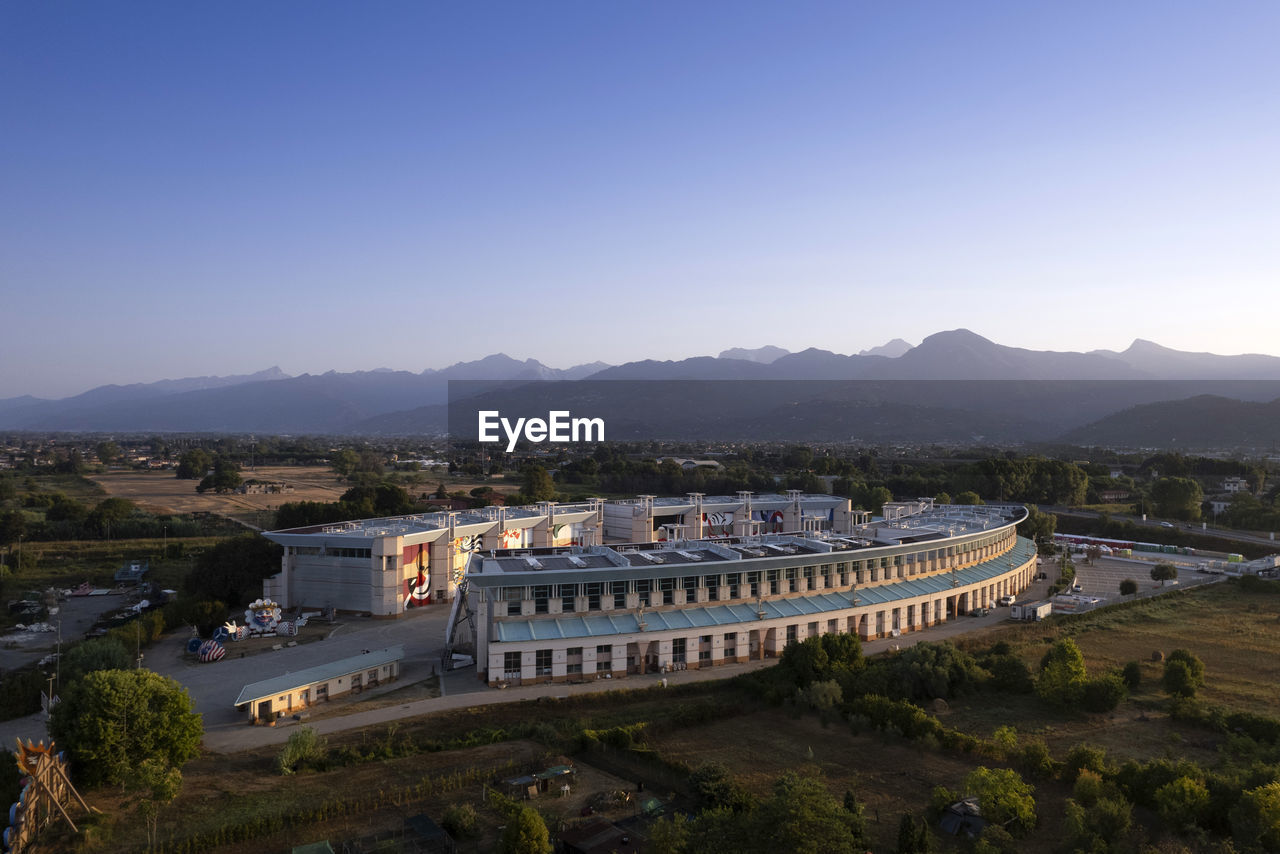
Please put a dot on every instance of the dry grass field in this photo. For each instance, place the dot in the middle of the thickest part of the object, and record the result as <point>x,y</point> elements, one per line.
<point>161,492</point>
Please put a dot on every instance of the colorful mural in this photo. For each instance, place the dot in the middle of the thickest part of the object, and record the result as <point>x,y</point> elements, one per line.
<point>515,538</point>
<point>717,524</point>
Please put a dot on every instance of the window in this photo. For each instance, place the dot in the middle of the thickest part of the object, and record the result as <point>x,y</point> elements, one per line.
<point>541,594</point>
<point>619,594</point>
<point>542,662</point>
<point>678,651</point>
<point>593,595</point>
<point>772,578</point>
<point>733,579</point>
<point>573,660</point>
<point>731,643</point>
<point>513,596</point>
<point>791,635</point>
<point>643,586</point>
<point>753,579</point>
<point>604,658</point>
<point>568,592</point>
<point>791,579</point>
<point>712,583</point>
<point>322,692</point>
<point>668,587</point>
<point>511,665</point>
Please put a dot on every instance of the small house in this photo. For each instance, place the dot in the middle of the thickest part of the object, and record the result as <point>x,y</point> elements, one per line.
<point>963,817</point>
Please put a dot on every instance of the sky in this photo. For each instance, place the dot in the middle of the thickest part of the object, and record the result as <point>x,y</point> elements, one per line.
<point>190,189</point>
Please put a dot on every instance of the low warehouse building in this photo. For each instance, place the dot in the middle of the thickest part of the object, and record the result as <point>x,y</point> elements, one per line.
<point>271,698</point>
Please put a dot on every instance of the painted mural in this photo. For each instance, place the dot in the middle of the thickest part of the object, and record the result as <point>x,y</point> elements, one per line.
<point>566,535</point>
<point>717,524</point>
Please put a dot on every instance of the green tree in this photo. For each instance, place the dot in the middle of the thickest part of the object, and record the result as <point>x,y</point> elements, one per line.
<point>1183,673</point>
<point>225,477</point>
<point>108,452</point>
<point>1255,819</point>
<point>537,484</point>
<point>1128,587</point>
<point>1132,674</point>
<point>157,783</point>
<point>968,498</point>
<point>233,570</point>
<point>92,655</point>
<point>803,817</point>
<point>1104,693</point>
<point>1039,528</point>
<point>345,462</point>
<point>114,719</point>
<point>1062,674</point>
<point>526,833</point>
<point>1004,797</point>
<point>194,464</point>
<point>1177,498</point>
<point>913,836</point>
<point>1163,572</point>
<point>668,835</point>
<point>1182,803</point>
<point>716,788</point>
<point>110,511</point>
<point>13,524</point>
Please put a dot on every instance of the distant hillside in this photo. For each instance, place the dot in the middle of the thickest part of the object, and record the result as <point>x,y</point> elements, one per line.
<point>1205,421</point>
<point>763,355</point>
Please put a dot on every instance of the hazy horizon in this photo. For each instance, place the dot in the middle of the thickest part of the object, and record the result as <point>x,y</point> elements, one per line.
<point>213,190</point>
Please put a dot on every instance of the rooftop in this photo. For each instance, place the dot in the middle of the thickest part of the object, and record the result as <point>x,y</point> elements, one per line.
<point>320,673</point>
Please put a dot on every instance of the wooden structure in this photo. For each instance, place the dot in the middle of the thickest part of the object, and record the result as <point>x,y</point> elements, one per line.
<point>46,794</point>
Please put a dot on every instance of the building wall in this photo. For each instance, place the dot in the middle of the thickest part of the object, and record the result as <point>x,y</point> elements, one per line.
<point>305,696</point>
<point>530,662</point>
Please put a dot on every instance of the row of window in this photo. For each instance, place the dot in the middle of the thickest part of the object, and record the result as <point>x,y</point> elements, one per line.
<point>748,585</point>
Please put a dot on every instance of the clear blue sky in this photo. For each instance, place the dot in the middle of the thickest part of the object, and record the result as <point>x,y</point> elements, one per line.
<point>214,188</point>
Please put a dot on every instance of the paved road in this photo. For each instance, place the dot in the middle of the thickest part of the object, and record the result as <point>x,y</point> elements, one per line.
<point>1263,538</point>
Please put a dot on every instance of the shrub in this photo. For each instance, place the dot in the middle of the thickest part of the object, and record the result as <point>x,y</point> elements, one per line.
<point>460,820</point>
<point>1132,675</point>
<point>1182,802</point>
<point>1104,693</point>
<point>1004,798</point>
<point>1183,673</point>
<point>1062,674</point>
<point>1083,757</point>
<point>303,748</point>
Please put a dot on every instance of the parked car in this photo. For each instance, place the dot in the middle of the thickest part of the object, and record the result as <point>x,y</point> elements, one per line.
<point>1005,601</point>
<point>979,612</point>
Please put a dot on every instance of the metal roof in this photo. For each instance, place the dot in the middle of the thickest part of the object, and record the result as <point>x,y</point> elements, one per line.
<point>320,673</point>
<point>708,616</point>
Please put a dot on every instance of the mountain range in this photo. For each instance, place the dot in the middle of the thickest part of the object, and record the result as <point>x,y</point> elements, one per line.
<point>895,390</point>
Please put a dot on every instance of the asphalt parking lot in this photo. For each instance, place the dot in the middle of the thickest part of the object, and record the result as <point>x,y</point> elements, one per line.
<point>1103,578</point>
<point>214,686</point>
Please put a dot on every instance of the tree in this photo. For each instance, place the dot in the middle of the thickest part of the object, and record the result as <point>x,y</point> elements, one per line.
<point>1004,797</point>
<point>1132,674</point>
<point>1128,587</point>
<point>225,477</point>
<point>1163,572</point>
<point>13,524</point>
<point>157,783</point>
<point>1183,673</point>
<point>194,464</point>
<point>345,462</point>
<point>112,720</point>
<point>668,835</point>
<point>913,836</point>
<point>232,571</point>
<point>105,653</point>
<point>1255,820</point>
<point>537,484</point>
<point>968,498</point>
<point>803,817</point>
<point>718,789</point>
<point>1182,803</point>
<point>110,511</point>
<point>1104,693</point>
<point>108,452</point>
<point>304,747</point>
<point>1062,674</point>
<point>526,833</point>
<point>1177,498</point>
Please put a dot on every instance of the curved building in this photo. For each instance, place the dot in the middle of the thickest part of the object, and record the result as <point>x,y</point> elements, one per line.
<point>595,611</point>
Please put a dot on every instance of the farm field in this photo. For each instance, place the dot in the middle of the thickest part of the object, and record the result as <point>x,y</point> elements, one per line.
<point>162,493</point>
